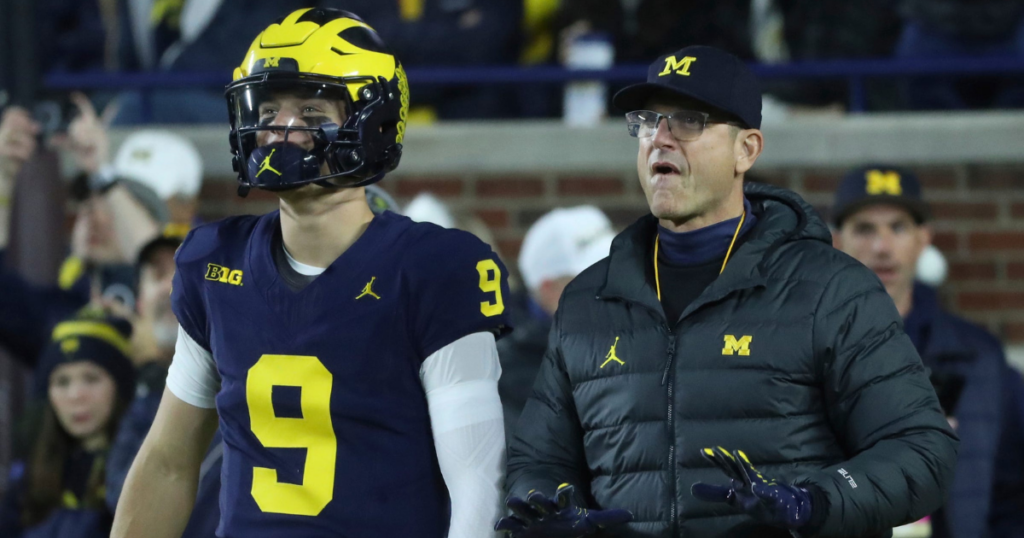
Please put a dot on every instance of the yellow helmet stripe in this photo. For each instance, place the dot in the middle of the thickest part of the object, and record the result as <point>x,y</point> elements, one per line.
<point>295,15</point>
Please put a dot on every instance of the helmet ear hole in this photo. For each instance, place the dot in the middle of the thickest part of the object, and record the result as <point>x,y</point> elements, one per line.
<point>388,126</point>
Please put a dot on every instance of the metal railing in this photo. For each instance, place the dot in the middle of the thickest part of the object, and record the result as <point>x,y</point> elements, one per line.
<point>854,72</point>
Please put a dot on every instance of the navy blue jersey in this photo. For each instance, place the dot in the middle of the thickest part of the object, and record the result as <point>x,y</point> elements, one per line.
<point>324,419</point>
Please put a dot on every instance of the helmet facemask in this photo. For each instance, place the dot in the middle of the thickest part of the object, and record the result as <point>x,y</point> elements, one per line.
<point>313,148</point>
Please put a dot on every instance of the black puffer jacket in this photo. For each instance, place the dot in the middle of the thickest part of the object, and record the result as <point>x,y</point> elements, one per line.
<point>795,354</point>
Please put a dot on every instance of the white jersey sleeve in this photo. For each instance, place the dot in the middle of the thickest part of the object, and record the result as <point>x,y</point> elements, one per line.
<point>193,376</point>
<point>461,383</point>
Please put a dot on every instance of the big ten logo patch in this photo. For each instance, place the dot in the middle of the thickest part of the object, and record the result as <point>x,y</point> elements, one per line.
<point>219,273</point>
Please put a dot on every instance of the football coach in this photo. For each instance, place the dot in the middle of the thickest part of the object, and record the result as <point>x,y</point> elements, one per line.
<point>725,371</point>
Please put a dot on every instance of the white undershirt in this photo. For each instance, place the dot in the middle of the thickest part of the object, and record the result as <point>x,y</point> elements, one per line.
<point>461,384</point>
<point>301,268</point>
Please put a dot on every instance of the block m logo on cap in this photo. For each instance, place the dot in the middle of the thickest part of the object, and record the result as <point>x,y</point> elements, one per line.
<point>882,182</point>
<point>679,67</point>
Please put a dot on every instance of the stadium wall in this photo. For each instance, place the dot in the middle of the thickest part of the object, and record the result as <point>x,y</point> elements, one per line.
<point>508,174</point>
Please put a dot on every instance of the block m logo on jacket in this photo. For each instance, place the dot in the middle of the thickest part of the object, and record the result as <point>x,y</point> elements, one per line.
<point>737,347</point>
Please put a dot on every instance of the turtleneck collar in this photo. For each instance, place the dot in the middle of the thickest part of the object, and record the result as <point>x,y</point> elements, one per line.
<point>705,244</point>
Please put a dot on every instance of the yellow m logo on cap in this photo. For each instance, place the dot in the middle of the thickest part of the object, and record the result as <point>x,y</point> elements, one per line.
<point>679,67</point>
<point>880,182</point>
<point>738,347</point>
<point>271,62</point>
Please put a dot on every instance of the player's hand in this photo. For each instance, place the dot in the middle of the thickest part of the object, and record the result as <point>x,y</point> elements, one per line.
<point>543,517</point>
<point>18,140</point>
<point>766,500</point>
<point>87,139</point>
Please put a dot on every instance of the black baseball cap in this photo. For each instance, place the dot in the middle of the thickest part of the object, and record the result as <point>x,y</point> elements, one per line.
<point>879,184</point>
<point>709,75</point>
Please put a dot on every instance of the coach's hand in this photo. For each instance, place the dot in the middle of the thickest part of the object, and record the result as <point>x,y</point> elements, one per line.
<point>543,517</point>
<point>768,501</point>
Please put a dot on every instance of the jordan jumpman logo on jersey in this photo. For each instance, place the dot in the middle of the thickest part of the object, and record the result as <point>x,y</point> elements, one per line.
<point>368,290</point>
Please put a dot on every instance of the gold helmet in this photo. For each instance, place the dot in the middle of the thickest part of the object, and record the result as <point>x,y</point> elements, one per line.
<point>318,54</point>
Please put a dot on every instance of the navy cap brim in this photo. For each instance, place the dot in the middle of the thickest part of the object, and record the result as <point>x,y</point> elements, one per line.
<point>917,208</point>
<point>637,96</point>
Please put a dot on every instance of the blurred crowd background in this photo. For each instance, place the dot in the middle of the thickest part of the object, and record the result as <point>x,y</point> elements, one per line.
<point>113,144</point>
<point>46,42</point>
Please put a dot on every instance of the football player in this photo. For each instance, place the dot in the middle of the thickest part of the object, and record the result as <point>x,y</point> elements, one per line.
<point>350,358</point>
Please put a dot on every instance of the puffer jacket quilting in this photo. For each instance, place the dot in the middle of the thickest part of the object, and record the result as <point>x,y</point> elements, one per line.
<point>795,354</point>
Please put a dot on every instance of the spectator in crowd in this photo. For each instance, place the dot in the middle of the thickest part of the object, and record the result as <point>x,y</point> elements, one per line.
<point>643,29</point>
<point>538,48</point>
<point>444,33</point>
<point>639,30</point>
<point>199,35</point>
<point>113,221</point>
<point>812,30</point>
<point>155,330</point>
<point>18,142</point>
<point>76,35</point>
<point>882,220</point>
<point>89,380</point>
<point>167,163</point>
<point>188,36</point>
<point>426,207</point>
<point>962,30</point>
<point>829,30</point>
<point>559,246</point>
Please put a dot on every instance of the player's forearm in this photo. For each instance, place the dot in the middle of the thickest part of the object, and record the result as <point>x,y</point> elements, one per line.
<point>157,498</point>
<point>477,506</point>
<point>161,485</point>
<point>469,437</point>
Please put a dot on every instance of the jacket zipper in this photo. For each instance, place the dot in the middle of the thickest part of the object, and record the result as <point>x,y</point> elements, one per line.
<point>671,427</point>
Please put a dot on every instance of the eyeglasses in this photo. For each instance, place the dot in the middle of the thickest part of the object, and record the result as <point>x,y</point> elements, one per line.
<point>685,125</point>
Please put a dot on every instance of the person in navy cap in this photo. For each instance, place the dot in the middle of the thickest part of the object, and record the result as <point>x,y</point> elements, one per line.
<point>724,371</point>
<point>86,380</point>
<point>882,220</point>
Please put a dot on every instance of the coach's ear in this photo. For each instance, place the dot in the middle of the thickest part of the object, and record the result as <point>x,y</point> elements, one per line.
<point>748,147</point>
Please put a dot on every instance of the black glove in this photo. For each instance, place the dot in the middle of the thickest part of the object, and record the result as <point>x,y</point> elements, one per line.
<point>543,517</point>
<point>767,501</point>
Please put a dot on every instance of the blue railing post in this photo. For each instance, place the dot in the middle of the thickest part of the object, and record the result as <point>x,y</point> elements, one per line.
<point>858,95</point>
<point>146,105</point>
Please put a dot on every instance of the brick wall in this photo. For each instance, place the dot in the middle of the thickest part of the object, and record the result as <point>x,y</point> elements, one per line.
<point>979,219</point>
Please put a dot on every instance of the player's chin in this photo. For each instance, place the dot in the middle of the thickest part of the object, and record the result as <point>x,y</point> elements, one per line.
<point>312,191</point>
